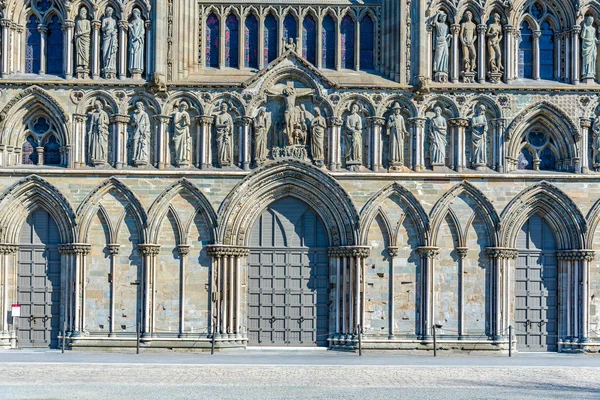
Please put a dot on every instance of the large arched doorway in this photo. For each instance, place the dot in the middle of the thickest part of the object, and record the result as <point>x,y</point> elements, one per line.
<point>536,287</point>
<point>288,282</point>
<point>39,280</point>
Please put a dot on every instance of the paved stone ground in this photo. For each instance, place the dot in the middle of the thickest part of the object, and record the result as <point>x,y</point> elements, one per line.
<point>277,375</point>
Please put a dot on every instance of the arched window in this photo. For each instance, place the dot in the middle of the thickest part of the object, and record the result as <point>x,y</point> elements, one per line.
<point>328,42</point>
<point>32,46</point>
<point>309,39</point>
<point>290,28</point>
<point>232,42</point>
<point>547,52</point>
<point>526,52</point>
<point>539,152</point>
<point>347,45</point>
<point>212,41</point>
<point>52,151</point>
<point>367,39</point>
<point>251,39</point>
<point>270,51</point>
<point>55,47</point>
<point>29,151</point>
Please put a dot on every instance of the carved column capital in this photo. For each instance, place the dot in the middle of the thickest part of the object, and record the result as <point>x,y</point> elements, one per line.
<point>501,252</point>
<point>120,118</point>
<point>247,121</point>
<point>537,34</point>
<point>376,121</point>
<point>68,24</point>
<point>149,249</point>
<point>43,29</point>
<point>350,251</point>
<point>481,28</point>
<point>162,118</point>
<point>8,248</point>
<point>576,30</point>
<point>205,120</point>
<point>148,24</point>
<point>124,25</point>
<point>499,122</point>
<point>335,121</point>
<point>75,248</point>
<point>455,29</point>
<point>221,250</point>
<point>576,255</point>
<point>462,252</point>
<point>5,23</point>
<point>585,123</point>
<point>113,249</point>
<point>393,251</point>
<point>459,122</point>
<point>428,251</point>
<point>184,249</point>
<point>96,24</point>
<point>417,122</point>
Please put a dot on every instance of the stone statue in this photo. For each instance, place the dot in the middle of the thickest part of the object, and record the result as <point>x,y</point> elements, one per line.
<point>224,127</point>
<point>110,44</point>
<point>261,131</point>
<point>140,123</point>
<point>494,35</point>
<point>293,113</point>
<point>137,38</point>
<point>589,48</point>
<point>442,42</point>
<point>397,132</point>
<point>318,127</point>
<point>83,32</point>
<point>438,129</point>
<point>354,130</point>
<point>182,140</point>
<point>479,130</point>
<point>522,162</point>
<point>596,143</point>
<point>289,45</point>
<point>98,134</point>
<point>468,37</point>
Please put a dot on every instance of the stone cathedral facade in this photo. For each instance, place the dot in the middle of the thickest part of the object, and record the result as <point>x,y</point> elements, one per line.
<point>294,174</point>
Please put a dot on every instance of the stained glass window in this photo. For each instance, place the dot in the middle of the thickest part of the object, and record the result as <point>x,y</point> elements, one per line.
<point>232,42</point>
<point>347,45</point>
<point>547,52</point>
<point>309,39</point>
<point>328,43</point>
<point>28,151</point>
<point>55,47</point>
<point>251,39</point>
<point>290,28</point>
<point>32,46</point>
<point>270,51</point>
<point>212,41</point>
<point>367,38</point>
<point>526,52</point>
<point>52,151</point>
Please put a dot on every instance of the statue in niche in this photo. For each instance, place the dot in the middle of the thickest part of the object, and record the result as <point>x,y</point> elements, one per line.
<point>354,131</point>
<point>290,45</point>
<point>182,140</point>
<point>261,130</point>
<point>479,131</point>
<point>83,32</point>
<point>140,123</point>
<point>438,128</point>
<point>494,35</point>
<point>468,37</point>
<point>137,38</point>
<point>110,44</point>
<point>318,126</point>
<point>224,128</point>
<point>589,49</point>
<point>295,116</point>
<point>522,162</point>
<point>98,134</point>
<point>596,143</point>
<point>397,132</point>
<point>442,43</point>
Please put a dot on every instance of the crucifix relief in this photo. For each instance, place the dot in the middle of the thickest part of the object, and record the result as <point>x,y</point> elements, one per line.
<point>295,116</point>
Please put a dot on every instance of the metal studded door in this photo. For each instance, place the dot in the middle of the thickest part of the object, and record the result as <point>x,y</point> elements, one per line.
<point>288,282</point>
<point>39,282</point>
<point>536,297</point>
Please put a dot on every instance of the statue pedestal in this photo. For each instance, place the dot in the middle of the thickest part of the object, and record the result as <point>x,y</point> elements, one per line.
<point>353,166</point>
<point>441,77</point>
<point>97,163</point>
<point>83,73</point>
<point>588,80</point>
<point>398,167</point>
<point>183,164</point>
<point>480,167</point>
<point>319,163</point>
<point>110,74</point>
<point>140,163</point>
<point>136,74</point>
<point>468,77</point>
<point>439,168</point>
<point>495,77</point>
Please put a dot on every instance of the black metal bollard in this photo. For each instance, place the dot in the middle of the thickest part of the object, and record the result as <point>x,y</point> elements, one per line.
<point>137,341</point>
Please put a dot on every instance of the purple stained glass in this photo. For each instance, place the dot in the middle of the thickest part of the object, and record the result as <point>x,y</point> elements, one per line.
<point>232,42</point>
<point>212,41</point>
<point>290,28</point>
<point>328,43</point>
<point>55,47</point>
<point>251,39</point>
<point>32,46</point>
<point>367,38</point>
<point>270,50</point>
<point>347,45</point>
<point>309,39</point>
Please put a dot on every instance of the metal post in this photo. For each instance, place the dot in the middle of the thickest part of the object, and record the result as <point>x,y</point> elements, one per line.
<point>212,342</point>
<point>63,337</point>
<point>510,340</point>
<point>434,343</point>
<point>137,342</point>
<point>359,341</point>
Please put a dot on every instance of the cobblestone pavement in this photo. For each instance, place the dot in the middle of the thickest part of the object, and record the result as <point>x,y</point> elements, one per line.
<point>331,379</point>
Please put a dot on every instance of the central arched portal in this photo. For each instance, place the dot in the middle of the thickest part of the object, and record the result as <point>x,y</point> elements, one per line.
<point>288,282</point>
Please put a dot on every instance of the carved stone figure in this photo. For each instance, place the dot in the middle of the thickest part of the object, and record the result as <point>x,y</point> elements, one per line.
<point>294,114</point>
<point>318,127</point>
<point>98,134</point>
<point>224,128</point>
<point>182,140</point>
<point>494,35</point>
<point>589,49</point>
<point>137,39</point>
<point>260,137</point>
<point>110,44</point>
<point>442,42</point>
<point>83,31</point>
<point>397,132</point>
<point>140,123</point>
<point>596,143</point>
<point>479,131</point>
<point>522,162</point>
<point>290,45</point>
<point>354,130</point>
<point>438,128</point>
<point>468,37</point>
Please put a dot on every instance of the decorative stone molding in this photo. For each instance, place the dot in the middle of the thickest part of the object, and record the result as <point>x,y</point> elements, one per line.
<point>75,248</point>
<point>501,252</point>
<point>219,250</point>
<point>428,251</point>
<point>462,252</point>
<point>184,249</point>
<point>350,251</point>
<point>113,249</point>
<point>149,249</point>
<point>393,251</point>
<point>8,248</point>
<point>576,255</point>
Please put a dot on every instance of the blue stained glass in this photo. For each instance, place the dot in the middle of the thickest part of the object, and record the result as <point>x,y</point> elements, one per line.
<point>290,28</point>
<point>328,42</point>
<point>32,46</point>
<point>526,52</point>
<point>367,38</point>
<point>548,160</point>
<point>232,42</point>
<point>251,39</point>
<point>55,47</point>
<point>270,50</point>
<point>347,45</point>
<point>309,39</point>
<point>547,52</point>
<point>52,151</point>
<point>212,41</point>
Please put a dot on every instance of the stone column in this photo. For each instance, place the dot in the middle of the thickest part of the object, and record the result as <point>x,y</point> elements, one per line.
<point>455,29</point>
<point>335,146</point>
<point>149,253</point>
<point>338,44</point>
<point>261,42</point>
<point>566,37</point>
<point>356,45</point>
<point>584,146</point>
<point>536,54</point>
<point>75,259</point>
<point>241,41</point>
<point>501,267</point>
<point>123,49</point>
<point>95,59</point>
<point>575,31</point>
<point>428,255</point>
<point>6,251</point>
<point>226,297</point>
<point>149,53</point>
<point>184,250</point>
<point>498,140</point>
<point>120,123</point>
<point>43,30</point>
<point>458,146</point>
<point>418,139</point>
<point>222,42</point>
<point>319,55</point>
<point>429,53</point>
<point>204,141</point>
<point>481,57</point>
<point>163,151</point>
<point>40,155</point>
<point>510,52</point>
<point>376,125</point>
<point>246,142</point>
<point>5,23</point>
<point>113,250</point>
<point>68,48</point>
<point>393,252</point>
<point>462,254</point>
<point>79,140</point>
